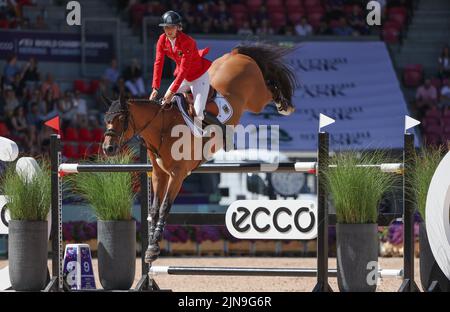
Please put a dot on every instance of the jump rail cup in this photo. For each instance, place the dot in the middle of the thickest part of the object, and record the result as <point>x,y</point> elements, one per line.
<point>322,272</point>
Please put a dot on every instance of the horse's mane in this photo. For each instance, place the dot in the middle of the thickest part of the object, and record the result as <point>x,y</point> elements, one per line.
<point>270,60</point>
<point>141,102</point>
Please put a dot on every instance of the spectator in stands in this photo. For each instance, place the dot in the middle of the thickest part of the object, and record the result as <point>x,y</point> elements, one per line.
<point>426,97</point>
<point>34,117</point>
<point>245,29</point>
<point>101,91</point>
<point>66,109</point>
<point>287,30</point>
<point>445,95</point>
<point>35,122</point>
<point>111,75</point>
<point>196,26</point>
<point>262,13</point>
<point>357,22</point>
<point>343,29</point>
<point>4,23</point>
<point>80,108</point>
<point>333,4</point>
<point>24,24</point>
<point>324,29</point>
<point>10,70</point>
<point>303,28</point>
<point>20,127</point>
<point>222,15</point>
<point>383,8</point>
<point>204,12</point>
<point>133,79</point>
<point>30,74</point>
<point>50,84</point>
<point>50,106</point>
<point>11,101</point>
<point>408,4</point>
<point>36,99</point>
<point>265,28</point>
<point>225,27</point>
<point>18,85</point>
<point>186,10</point>
<point>2,105</point>
<point>207,26</point>
<point>40,23</point>
<point>444,63</point>
<point>121,89</point>
<point>228,28</point>
<point>334,11</point>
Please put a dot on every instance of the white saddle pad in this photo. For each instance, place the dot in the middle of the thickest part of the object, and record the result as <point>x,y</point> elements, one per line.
<point>225,113</point>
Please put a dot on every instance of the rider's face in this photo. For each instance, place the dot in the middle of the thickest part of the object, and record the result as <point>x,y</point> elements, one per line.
<point>171,31</point>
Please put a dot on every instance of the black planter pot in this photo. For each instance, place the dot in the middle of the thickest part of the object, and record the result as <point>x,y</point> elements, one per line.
<point>357,245</point>
<point>429,268</point>
<point>27,254</point>
<point>116,254</point>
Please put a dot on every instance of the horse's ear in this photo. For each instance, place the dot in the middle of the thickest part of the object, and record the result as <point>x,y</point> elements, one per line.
<point>123,101</point>
<point>106,101</point>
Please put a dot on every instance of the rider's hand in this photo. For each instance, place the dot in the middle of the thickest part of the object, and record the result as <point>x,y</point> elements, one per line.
<point>153,95</point>
<point>168,97</point>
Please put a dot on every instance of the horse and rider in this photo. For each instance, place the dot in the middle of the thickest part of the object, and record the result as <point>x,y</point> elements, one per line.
<point>249,78</point>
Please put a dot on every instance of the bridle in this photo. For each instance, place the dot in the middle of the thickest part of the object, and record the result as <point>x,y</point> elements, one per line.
<point>126,122</point>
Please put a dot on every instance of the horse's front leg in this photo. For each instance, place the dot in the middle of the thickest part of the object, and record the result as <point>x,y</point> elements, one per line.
<point>159,182</point>
<point>176,179</point>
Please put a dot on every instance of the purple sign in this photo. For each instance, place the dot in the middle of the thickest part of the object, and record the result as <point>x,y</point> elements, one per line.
<point>87,272</point>
<point>56,47</point>
<point>78,271</point>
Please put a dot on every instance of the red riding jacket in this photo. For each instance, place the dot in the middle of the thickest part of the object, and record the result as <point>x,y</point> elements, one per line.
<point>190,62</point>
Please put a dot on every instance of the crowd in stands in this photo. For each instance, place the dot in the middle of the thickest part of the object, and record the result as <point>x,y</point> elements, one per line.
<point>432,98</point>
<point>272,17</point>
<point>28,99</point>
<point>248,17</point>
<point>12,17</point>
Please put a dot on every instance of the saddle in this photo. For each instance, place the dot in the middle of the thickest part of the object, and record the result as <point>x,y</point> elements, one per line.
<point>212,113</point>
<point>210,107</point>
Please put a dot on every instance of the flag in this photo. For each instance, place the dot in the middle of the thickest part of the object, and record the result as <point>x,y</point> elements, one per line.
<point>53,123</point>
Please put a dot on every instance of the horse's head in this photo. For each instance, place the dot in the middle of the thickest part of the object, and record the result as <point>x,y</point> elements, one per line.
<point>117,120</point>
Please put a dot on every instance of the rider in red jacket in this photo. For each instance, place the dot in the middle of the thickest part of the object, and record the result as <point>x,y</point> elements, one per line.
<point>192,68</point>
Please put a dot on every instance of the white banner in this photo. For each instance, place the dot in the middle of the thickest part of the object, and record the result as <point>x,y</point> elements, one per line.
<point>351,82</point>
<point>272,219</point>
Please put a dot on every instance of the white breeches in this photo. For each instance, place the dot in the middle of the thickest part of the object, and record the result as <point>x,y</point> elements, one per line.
<point>200,89</point>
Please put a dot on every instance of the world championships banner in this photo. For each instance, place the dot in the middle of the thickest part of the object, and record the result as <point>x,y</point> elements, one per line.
<point>352,82</point>
<point>55,47</point>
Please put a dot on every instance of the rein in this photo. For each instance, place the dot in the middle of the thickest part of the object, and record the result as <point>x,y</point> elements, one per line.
<point>126,113</point>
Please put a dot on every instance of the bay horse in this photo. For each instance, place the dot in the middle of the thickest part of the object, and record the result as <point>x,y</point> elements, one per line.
<point>249,78</point>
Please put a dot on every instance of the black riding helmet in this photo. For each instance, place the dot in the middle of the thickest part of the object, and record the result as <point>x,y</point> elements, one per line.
<point>170,18</point>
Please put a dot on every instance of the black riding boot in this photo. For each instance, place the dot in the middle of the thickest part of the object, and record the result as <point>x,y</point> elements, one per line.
<point>228,144</point>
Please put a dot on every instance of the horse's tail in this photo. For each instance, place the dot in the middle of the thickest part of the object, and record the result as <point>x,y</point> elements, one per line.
<point>279,77</point>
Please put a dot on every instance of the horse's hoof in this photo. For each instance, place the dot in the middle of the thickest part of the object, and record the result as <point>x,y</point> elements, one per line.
<point>152,253</point>
<point>150,258</point>
<point>286,111</point>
